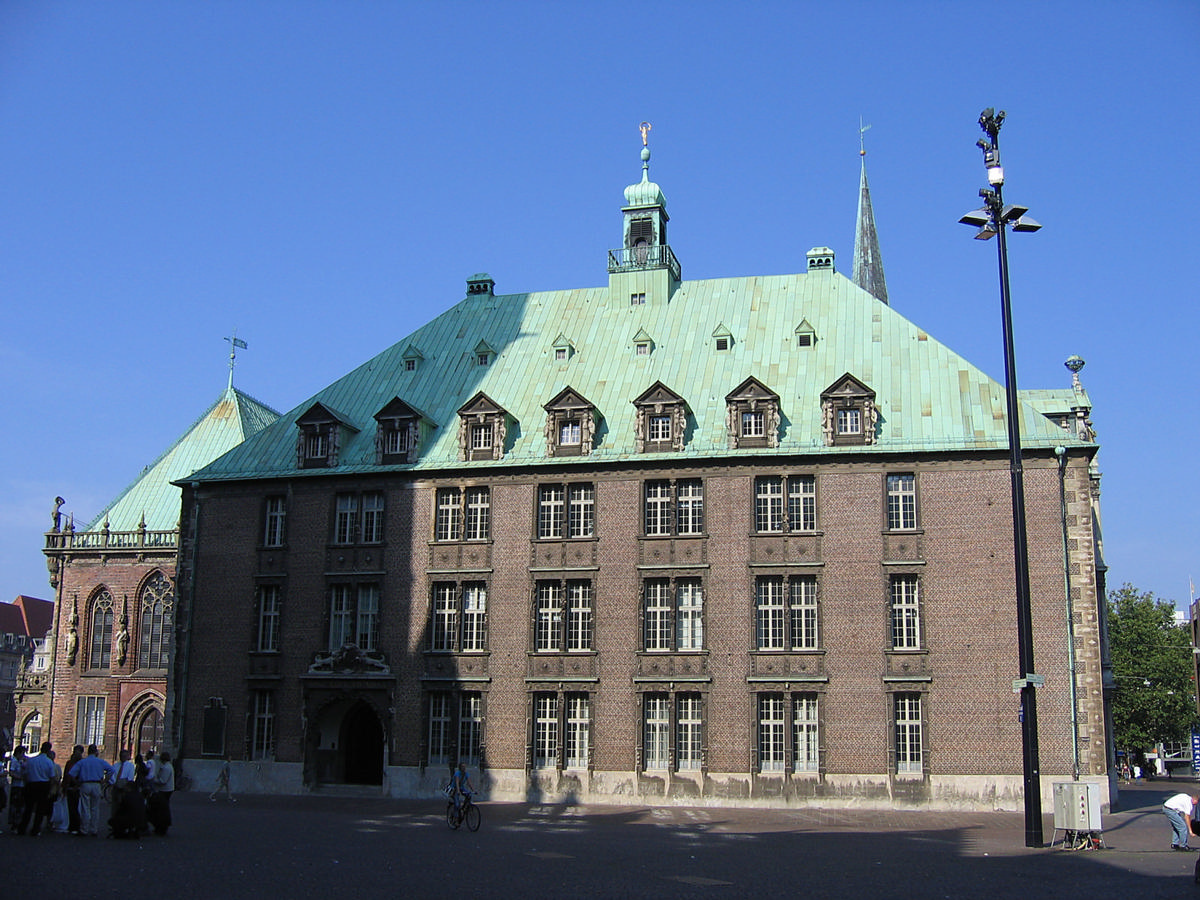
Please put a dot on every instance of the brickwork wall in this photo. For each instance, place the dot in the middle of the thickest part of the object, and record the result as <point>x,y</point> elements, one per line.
<point>961,554</point>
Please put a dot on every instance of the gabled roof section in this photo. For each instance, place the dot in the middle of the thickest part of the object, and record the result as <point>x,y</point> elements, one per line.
<point>320,414</point>
<point>480,405</point>
<point>398,409</point>
<point>751,389</point>
<point>412,352</point>
<point>28,616</point>
<point>847,386</point>
<point>568,398</point>
<point>658,393</point>
<point>234,417</point>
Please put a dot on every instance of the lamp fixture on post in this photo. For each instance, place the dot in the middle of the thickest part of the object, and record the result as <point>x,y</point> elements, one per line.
<point>990,220</point>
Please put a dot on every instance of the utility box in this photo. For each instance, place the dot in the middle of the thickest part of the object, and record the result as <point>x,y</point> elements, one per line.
<point>1077,806</point>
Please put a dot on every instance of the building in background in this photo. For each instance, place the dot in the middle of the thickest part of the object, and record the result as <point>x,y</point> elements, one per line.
<point>736,540</point>
<point>23,627</point>
<point>104,677</point>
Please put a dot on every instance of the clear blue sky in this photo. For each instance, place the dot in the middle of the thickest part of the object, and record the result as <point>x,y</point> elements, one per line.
<point>323,177</point>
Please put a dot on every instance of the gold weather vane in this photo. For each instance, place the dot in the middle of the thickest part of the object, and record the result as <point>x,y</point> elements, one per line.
<point>644,128</point>
<point>862,130</point>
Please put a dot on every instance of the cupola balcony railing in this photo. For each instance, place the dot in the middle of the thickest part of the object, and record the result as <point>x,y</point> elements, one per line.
<point>634,259</point>
<point>112,540</point>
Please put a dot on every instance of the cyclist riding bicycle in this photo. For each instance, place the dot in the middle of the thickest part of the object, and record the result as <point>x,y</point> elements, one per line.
<point>460,785</point>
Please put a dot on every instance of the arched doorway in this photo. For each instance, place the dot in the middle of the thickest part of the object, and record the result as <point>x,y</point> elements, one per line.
<point>361,740</point>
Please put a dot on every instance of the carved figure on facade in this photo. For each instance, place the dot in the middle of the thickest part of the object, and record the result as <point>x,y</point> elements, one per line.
<point>349,658</point>
<point>73,631</point>
<point>56,515</point>
<point>121,641</point>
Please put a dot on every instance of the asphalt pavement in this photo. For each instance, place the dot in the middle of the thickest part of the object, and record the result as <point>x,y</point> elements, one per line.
<point>328,846</point>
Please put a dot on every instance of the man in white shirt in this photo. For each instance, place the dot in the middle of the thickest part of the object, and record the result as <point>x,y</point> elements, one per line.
<point>1179,810</point>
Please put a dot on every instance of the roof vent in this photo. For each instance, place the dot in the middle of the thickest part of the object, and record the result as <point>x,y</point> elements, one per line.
<point>481,283</point>
<point>820,259</point>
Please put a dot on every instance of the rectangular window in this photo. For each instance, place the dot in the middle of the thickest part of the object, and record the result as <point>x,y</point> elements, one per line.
<point>448,520</point>
<point>570,433</point>
<point>550,511</point>
<point>658,613</point>
<point>673,614</point>
<point>345,530</point>
<point>658,507</point>
<point>545,731</point>
<point>690,712</point>
<point>316,445</point>
<point>805,733</point>
<point>689,595</point>
<point>479,512</point>
<point>474,616</point>
<point>909,757</point>
<point>341,615</point>
<point>581,511</point>
<point>262,738</point>
<point>802,502</point>
<point>372,518</point>
<point>579,615</point>
<point>276,513</point>
<point>579,723</point>
<point>396,440</point>
<point>268,618</point>
<point>771,619</point>
<point>906,612</point>
<point>754,424</point>
<point>901,502</point>
<point>770,733</point>
<point>658,429</point>
<point>566,511</point>
<point>803,612</point>
<point>102,634</point>
<point>439,729</point>
<point>367,627</point>
<point>470,728</point>
<point>656,740</point>
<point>690,505</point>
<point>481,435</point>
<point>89,720</point>
<point>768,504</point>
<point>548,617</point>
<point>849,421</point>
<point>638,299</point>
<point>443,635</point>
<point>786,613</point>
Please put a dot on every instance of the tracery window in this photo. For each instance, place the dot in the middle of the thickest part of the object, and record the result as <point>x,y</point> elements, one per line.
<point>158,606</point>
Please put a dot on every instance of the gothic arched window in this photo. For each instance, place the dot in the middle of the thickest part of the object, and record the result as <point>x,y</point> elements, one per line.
<point>158,603</point>
<point>102,630</point>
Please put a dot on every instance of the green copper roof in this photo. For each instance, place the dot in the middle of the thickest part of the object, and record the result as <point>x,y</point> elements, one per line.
<point>928,397</point>
<point>152,497</point>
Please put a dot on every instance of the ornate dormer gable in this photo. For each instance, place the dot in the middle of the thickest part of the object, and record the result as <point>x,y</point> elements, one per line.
<point>484,354</point>
<point>661,420</point>
<point>570,424</point>
<point>398,433</point>
<point>848,412</point>
<point>752,415</point>
<point>482,428</point>
<point>322,431</point>
<point>412,358</point>
<point>806,335</point>
<point>643,344</point>
<point>562,349</point>
<point>722,338</point>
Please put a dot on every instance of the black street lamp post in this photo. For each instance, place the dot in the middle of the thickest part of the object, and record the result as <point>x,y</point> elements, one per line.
<point>992,220</point>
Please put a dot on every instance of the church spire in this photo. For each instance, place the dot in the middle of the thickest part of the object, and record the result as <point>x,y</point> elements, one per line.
<point>868,264</point>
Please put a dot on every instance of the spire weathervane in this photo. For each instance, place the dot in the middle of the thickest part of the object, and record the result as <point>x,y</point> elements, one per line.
<point>234,344</point>
<point>644,128</point>
<point>862,130</point>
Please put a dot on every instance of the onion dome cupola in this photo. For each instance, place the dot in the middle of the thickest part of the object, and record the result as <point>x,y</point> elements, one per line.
<point>644,247</point>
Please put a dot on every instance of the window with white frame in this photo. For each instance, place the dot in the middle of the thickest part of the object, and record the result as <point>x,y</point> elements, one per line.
<point>482,435</point>
<point>563,616</point>
<point>262,734</point>
<point>354,616</point>
<point>89,720</point>
<point>849,421</point>
<point>455,721</point>
<point>372,517</point>
<point>658,428</point>
<point>689,728</point>
<point>545,730</point>
<point>566,511</point>
<point>754,424</point>
<point>786,612</point>
<point>578,731</point>
<point>438,746</point>
<point>771,732</point>
<point>267,639</point>
<point>901,502</point>
<point>662,417</point>
<point>905,601</point>
<point>459,617</point>
<point>275,517</point>
<point>673,614</point>
<point>656,741</point>
<point>908,728</point>
<point>470,727</point>
<point>672,731</point>
<point>462,514</point>
<point>158,606</point>
<point>806,744</point>
<point>784,504</point>
<point>674,507</point>
<point>345,521</point>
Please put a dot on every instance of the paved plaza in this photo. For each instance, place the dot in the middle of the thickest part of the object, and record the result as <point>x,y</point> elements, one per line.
<point>286,848</point>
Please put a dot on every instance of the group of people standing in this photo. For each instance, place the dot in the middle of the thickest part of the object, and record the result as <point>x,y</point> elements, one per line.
<point>138,790</point>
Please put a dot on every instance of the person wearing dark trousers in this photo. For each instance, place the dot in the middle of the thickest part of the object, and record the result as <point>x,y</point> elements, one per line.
<point>71,789</point>
<point>39,772</point>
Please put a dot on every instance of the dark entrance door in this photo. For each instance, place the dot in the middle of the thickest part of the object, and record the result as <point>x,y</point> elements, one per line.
<point>361,740</point>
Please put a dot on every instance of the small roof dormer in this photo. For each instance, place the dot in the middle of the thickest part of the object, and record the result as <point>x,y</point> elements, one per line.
<point>322,432</point>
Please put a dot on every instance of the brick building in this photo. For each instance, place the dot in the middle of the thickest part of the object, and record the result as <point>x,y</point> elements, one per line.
<point>23,627</point>
<point>737,540</point>
<point>114,581</point>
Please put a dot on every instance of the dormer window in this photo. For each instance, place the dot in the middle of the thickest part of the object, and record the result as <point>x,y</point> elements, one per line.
<point>321,433</point>
<point>661,420</point>
<point>483,359</point>
<point>806,335</point>
<point>412,358</point>
<point>642,349</point>
<point>562,348</point>
<point>484,354</point>
<point>570,424</point>
<point>638,299</point>
<point>722,343</point>
<point>643,344</point>
<point>410,365</point>
<point>560,354</point>
<point>722,338</point>
<point>398,432</point>
<point>752,416</point>
<point>848,412</point>
<point>482,430</point>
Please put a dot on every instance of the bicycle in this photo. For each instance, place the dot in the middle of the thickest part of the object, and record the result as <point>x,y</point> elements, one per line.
<point>468,813</point>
